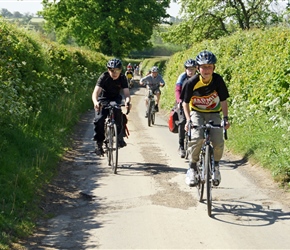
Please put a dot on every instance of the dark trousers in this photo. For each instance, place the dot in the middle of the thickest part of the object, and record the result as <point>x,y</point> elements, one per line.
<point>181,125</point>
<point>99,123</point>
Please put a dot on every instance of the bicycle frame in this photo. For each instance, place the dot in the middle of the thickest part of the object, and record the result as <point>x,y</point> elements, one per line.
<point>111,136</point>
<point>151,107</point>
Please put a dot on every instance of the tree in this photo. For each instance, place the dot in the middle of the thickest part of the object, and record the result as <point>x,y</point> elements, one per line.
<point>17,14</point>
<point>211,19</point>
<point>113,27</point>
<point>5,13</point>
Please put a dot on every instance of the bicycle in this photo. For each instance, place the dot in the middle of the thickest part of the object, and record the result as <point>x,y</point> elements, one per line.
<point>111,136</point>
<point>130,81</point>
<point>205,168</point>
<point>151,108</point>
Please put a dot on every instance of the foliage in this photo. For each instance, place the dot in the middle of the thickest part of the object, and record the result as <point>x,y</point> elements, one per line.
<point>117,26</point>
<point>148,63</point>
<point>256,67</point>
<point>44,89</point>
<point>212,19</point>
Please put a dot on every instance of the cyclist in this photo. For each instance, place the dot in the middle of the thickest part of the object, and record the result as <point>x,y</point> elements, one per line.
<point>190,70</point>
<point>129,75</point>
<point>153,80</point>
<point>107,89</point>
<point>204,97</point>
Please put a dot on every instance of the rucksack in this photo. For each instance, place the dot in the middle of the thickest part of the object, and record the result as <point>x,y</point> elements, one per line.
<point>173,120</point>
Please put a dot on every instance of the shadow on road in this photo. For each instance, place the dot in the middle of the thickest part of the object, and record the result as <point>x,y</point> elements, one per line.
<point>247,213</point>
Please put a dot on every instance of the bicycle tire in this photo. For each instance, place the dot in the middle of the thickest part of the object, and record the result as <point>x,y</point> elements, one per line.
<point>114,148</point>
<point>107,143</point>
<point>149,113</point>
<point>200,185</point>
<point>153,113</point>
<point>208,179</point>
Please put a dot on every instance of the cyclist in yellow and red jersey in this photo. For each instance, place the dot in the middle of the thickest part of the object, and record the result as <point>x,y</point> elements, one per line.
<point>129,75</point>
<point>204,97</point>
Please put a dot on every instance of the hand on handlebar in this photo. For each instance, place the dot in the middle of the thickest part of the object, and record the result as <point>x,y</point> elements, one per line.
<point>187,125</point>
<point>128,106</point>
<point>225,123</point>
<point>98,106</point>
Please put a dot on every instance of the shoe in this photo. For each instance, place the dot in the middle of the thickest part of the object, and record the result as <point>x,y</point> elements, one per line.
<point>99,150</point>
<point>146,115</point>
<point>122,143</point>
<point>181,152</point>
<point>156,108</point>
<point>191,178</point>
<point>216,175</point>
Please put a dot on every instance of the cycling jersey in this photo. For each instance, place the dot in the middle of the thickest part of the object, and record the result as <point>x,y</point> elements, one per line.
<point>111,88</point>
<point>152,82</point>
<point>205,97</point>
<point>129,74</point>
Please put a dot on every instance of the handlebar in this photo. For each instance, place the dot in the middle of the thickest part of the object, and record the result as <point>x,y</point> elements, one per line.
<point>208,125</point>
<point>114,104</point>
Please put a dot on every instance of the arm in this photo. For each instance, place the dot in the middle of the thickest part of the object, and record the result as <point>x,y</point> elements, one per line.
<point>141,82</point>
<point>178,86</point>
<point>127,98</point>
<point>186,111</point>
<point>178,89</point>
<point>95,95</point>
<point>224,105</point>
<point>162,82</point>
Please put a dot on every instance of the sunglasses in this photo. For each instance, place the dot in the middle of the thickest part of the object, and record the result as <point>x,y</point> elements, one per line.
<point>115,70</point>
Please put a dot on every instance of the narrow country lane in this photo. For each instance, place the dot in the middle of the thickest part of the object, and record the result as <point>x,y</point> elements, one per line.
<point>147,205</point>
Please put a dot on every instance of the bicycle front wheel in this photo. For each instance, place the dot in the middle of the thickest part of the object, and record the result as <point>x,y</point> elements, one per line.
<point>108,143</point>
<point>150,104</point>
<point>114,149</point>
<point>153,113</point>
<point>208,168</point>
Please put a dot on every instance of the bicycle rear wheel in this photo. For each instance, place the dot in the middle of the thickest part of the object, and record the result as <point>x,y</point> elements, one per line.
<point>200,185</point>
<point>208,179</point>
<point>114,148</point>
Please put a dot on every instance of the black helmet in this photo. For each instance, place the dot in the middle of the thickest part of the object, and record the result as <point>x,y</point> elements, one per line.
<point>206,57</point>
<point>154,69</point>
<point>114,63</point>
<point>190,63</point>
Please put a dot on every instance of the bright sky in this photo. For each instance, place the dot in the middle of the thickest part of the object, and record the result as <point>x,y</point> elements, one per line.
<point>32,6</point>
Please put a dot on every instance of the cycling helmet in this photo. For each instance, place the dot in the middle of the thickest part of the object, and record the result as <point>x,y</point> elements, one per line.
<point>190,63</point>
<point>114,63</point>
<point>206,57</point>
<point>154,69</point>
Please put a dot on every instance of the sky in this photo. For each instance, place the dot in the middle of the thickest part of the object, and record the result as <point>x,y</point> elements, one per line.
<point>32,6</point>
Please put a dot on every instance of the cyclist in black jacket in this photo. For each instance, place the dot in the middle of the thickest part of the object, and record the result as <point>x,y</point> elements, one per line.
<point>107,89</point>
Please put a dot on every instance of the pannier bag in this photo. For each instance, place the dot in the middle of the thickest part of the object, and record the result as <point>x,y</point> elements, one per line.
<point>173,120</point>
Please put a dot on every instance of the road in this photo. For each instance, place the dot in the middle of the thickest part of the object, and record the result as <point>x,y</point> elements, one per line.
<point>147,205</point>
